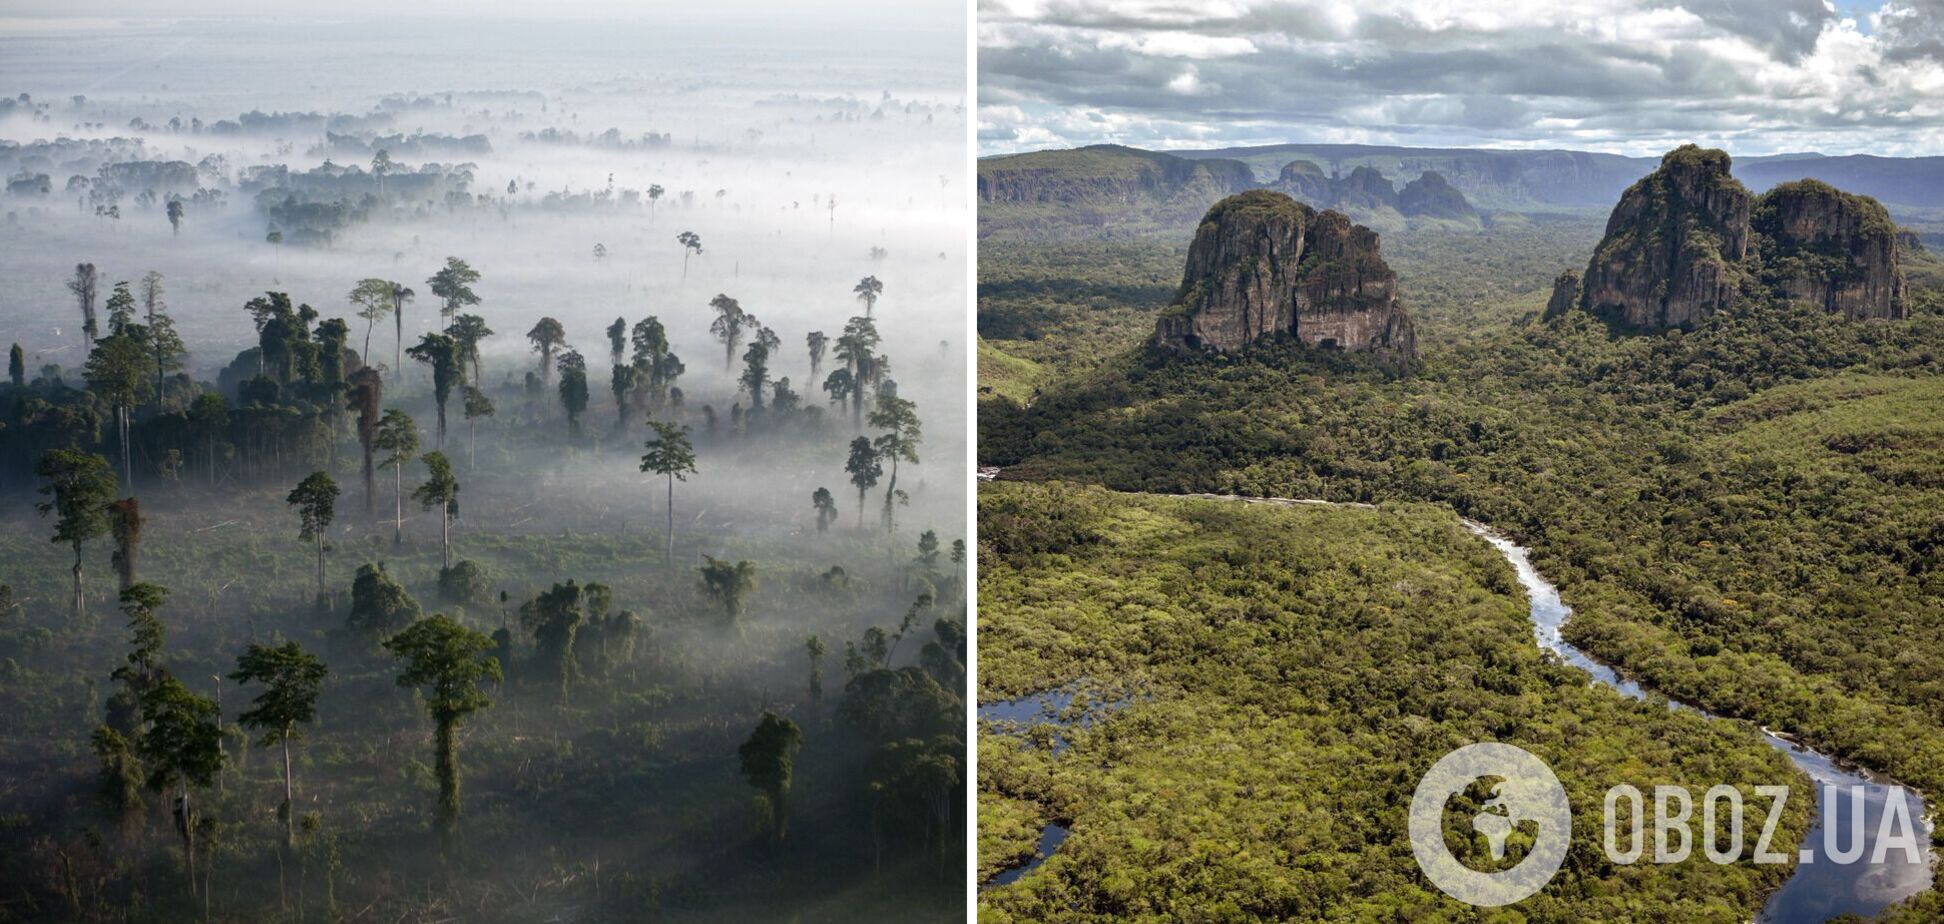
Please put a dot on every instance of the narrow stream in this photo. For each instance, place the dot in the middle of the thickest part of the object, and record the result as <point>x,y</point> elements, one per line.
<point>1816,891</point>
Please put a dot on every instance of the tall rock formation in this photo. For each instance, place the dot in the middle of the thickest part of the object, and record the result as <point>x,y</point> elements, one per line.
<point>1688,240</point>
<point>1826,247</point>
<point>1674,245</point>
<point>1566,294</point>
<point>1430,196</point>
<point>1263,264</point>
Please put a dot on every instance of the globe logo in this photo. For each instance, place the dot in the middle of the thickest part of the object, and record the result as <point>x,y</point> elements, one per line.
<point>1523,796</point>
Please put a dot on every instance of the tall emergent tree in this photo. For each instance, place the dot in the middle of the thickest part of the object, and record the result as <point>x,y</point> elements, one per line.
<point>441,490</point>
<point>398,437</point>
<point>182,747</point>
<point>546,336</point>
<point>573,388</point>
<point>768,759</point>
<point>670,454</point>
<point>400,294</point>
<point>864,470</point>
<point>826,507</point>
<point>453,285</point>
<point>174,210</point>
<point>729,585</point>
<point>375,299</point>
<point>467,331</point>
<point>867,291</point>
<point>446,661</point>
<point>691,245</point>
<point>164,343</point>
<point>442,354</point>
<point>79,488</point>
<point>367,393</point>
<point>85,285</point>
<point>477,406</point>
<point>899,419</point>
<point>292,679</point>
<point>118,373</point>
<point>817,342</point>
<point>316,501</point>
<point>728,326</point>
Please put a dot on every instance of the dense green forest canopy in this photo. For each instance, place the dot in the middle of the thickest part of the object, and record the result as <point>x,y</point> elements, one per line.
<point>1743,515</point>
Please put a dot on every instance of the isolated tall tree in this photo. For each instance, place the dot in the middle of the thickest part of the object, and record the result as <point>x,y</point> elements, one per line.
<point>867,291</point>
<point>398,437</point>
<point>182,747</point>
<point>164,342</point>
<point>441,490</point>
<point>84,285</point>
<point>768,760</point>
<point>467,331</point>
<point>125,526</point>
<point>826,507</point>
<point>617,334</point>
<point>292,679</point>
<point>442,354</point>
<point>17,366</point>
<point>728,585</point>
<point>477,406</point>
<point>755,377</point>
<point>864,470</point>
<point>899,419</point>
<point>573,388</point>
<point>79,488</point>
<point>400,295</point>
<point>816,341</point>
<point>367,393</point>
<point>118,373</point>
<point>546,336</point>
<point>655,192</point>
<point>728,326</point>
<point>446,662</point>
<point>174,210</point>
<point>453,286</point>
<point>315,499</point>
<point>375,300</point>
<point>691,245</point>
<point>671,455</point>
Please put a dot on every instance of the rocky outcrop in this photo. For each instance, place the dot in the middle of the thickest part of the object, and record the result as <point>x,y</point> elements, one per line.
<point>1263,265</point>
<point>1688,240</point>
<point>1429,196</point>
<point>1305,182</point>
<point>1826,247</point>
<point>1367,191</point>
<point>1674,245</point>
<point>1566,294</point>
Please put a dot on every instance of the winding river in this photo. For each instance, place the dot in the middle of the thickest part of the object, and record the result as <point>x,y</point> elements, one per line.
<point>1815,892</point>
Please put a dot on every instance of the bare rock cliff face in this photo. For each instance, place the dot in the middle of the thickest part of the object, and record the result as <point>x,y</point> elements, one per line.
<point>1674,245</point>
<point>1264,264</point>
<point>1566,294</point>
<point>1826,247</point>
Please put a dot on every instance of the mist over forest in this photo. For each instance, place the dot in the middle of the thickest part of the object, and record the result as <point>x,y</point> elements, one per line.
<point>633,349</point>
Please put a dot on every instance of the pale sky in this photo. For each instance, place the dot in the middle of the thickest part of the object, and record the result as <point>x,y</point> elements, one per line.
<point>1627,76</point>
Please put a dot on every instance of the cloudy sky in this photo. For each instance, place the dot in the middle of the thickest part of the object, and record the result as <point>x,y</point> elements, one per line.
<point>1627,76</point>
